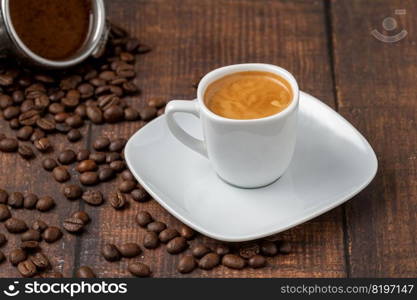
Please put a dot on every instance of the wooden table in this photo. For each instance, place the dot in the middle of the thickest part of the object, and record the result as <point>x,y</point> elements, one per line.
<point>328,46</point>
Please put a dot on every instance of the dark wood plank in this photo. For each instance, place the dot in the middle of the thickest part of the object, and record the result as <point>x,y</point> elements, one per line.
<point>375,82</point>
<point>189,39</point>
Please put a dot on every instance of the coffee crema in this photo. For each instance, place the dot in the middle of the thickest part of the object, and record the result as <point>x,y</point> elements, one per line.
<point>248,95</point>
<point>52,29</point>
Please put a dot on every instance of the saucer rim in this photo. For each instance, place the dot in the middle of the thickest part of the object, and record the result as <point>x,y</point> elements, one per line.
<point>275,230</point>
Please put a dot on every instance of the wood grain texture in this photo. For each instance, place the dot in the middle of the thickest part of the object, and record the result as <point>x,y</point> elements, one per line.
<point>375,83</point>
<point>189,39</point>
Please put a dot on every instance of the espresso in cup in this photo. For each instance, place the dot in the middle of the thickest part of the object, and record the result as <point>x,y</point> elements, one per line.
<point>248,95</point>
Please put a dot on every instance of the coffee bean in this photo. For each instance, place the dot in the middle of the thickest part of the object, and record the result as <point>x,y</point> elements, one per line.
<point>140,195</point>
<point>85,272</point>
<point>143,218</point>
<point>51,234</point>
<point>209,261</point>
<point>4,213</point>
<point>130,250</point>
<point>16,256</point>
<point>39,225</point>
<point>72,191</point>
<point>118,165</point>
<point>186,264</point>
<point>31,235</point>
<point>56,108</point>
<point>168,234</point>
<point>24,133</point>
<point>74,135</point>
<point>177,245</point>
<point>150,240</point>
<point>5,101</point>
<point>49,164</point>
<point>73,225</point>
<point>117,145</point>
<point>37,135</point>
<point>126,186</point>
<point>86,90</point>
<point>29,246</point>
<point>14,225</point>
<point>284,247</point>
<point>89,178</point>
<point>268,248</point>
<point>248,250</point>
<point>86,166</point>
<point>95,114</point>
<point>233,261</point>
<point>83,154</point>
<point>156,226</point>
<point>67,157</point>
<point>8,145</point>
<point>45,203</point>
<point>14,124</point>
<point>158,103</point>
<point>29,201</point>
<point>94,198</point>
<point>222,249</point>
<point>131,114</point>
<point>70,82</point>
<point>52,275</point>
<point>117,200</point>
<point>200,250</point>
<point>82,215</point>
<point>113,114</point>
<point>148,113</point>
<point>2,257</point>
<point>186,232</point>
<point>4,196</point>
<point>139,269</point>
<point>61,117</point>
<point>101,143</point>
<point>113,156</point>
<point>75,121</point>
<point>43,144</point>
<point>127,175</point>
<point>257,261</point>
<point>110,252</point>
<point>98,157</point>
<point>3,240</point>
<point>16,200</point>
<point>29,117</point>
<point>11,112</point>
<point>105,173</point>
<point>40,261</point>
<point>46,124</point>
<point>26,152</point>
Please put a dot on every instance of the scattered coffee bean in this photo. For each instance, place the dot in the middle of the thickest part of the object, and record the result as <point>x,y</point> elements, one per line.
<point>16,200</point>
<point>139,269</point>
<point>143,218</point>
<point>101,143</point>
<point>110,252</point>
<point>186,232</point>
<point>222,249</point>
<point>29,201</point>
<point>156,226</point>
<point>140,195</point>
<point>40,261</point>
<point>209,261</point>
<point>186,264</point>
<point>127,186</point>
<point>74,135</point>
<point>117,145</point>
<point>117,200</point>
<point>168,234</point>
<point>73,225</point>
<point>284,247</point>
<point>31,235</point>
<point>112,156</point>
<point>45,203</point>
<point>14,225</point>
<point>85,272</point>
<point>67,157</point>
<point>8,145</point>
<point>51,234</point>
<point>24,133</point>
<point>248,250</point>
<point>61,174</point>
<point>83,154</point>
<point>148,113</point>
<point>94,198</point>
<point>26,152</point>
<point>105,173</point>
<point>26,268</point>
<point>4,196</point>
<point>39,225</point>
<point>98,157</point>
<point>86,166</point>
<point>150,240</point>
<point>200,250</point>
<point>177,245</point>
<point>127,175</point>
<point>42,144</point>
<point>233,261</point>
<point>257,261</point>
<point>4,213</point>
<point>130,250</point>
<point>82,215</point>
<point>72,191</point>
<point>16,256</point>
<point>49,164</point>
<point>118,165</point>
<point>3,240</point>
<point>29,246</point>
<point>89,178</point>
<point>268,248</point>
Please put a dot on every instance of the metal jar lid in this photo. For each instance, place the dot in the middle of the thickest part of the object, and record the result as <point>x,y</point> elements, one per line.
<point>11,44</point>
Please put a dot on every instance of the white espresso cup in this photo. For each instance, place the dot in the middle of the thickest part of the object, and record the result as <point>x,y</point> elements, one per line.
<point>245,153</point>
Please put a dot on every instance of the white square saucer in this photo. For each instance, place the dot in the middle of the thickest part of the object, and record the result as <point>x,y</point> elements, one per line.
<point>332,163</point>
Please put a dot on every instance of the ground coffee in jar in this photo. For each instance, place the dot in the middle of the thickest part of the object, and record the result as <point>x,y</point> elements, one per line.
<point>52,29</point>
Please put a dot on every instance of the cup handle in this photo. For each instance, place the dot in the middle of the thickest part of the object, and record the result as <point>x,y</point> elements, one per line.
<point>190,107</point>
